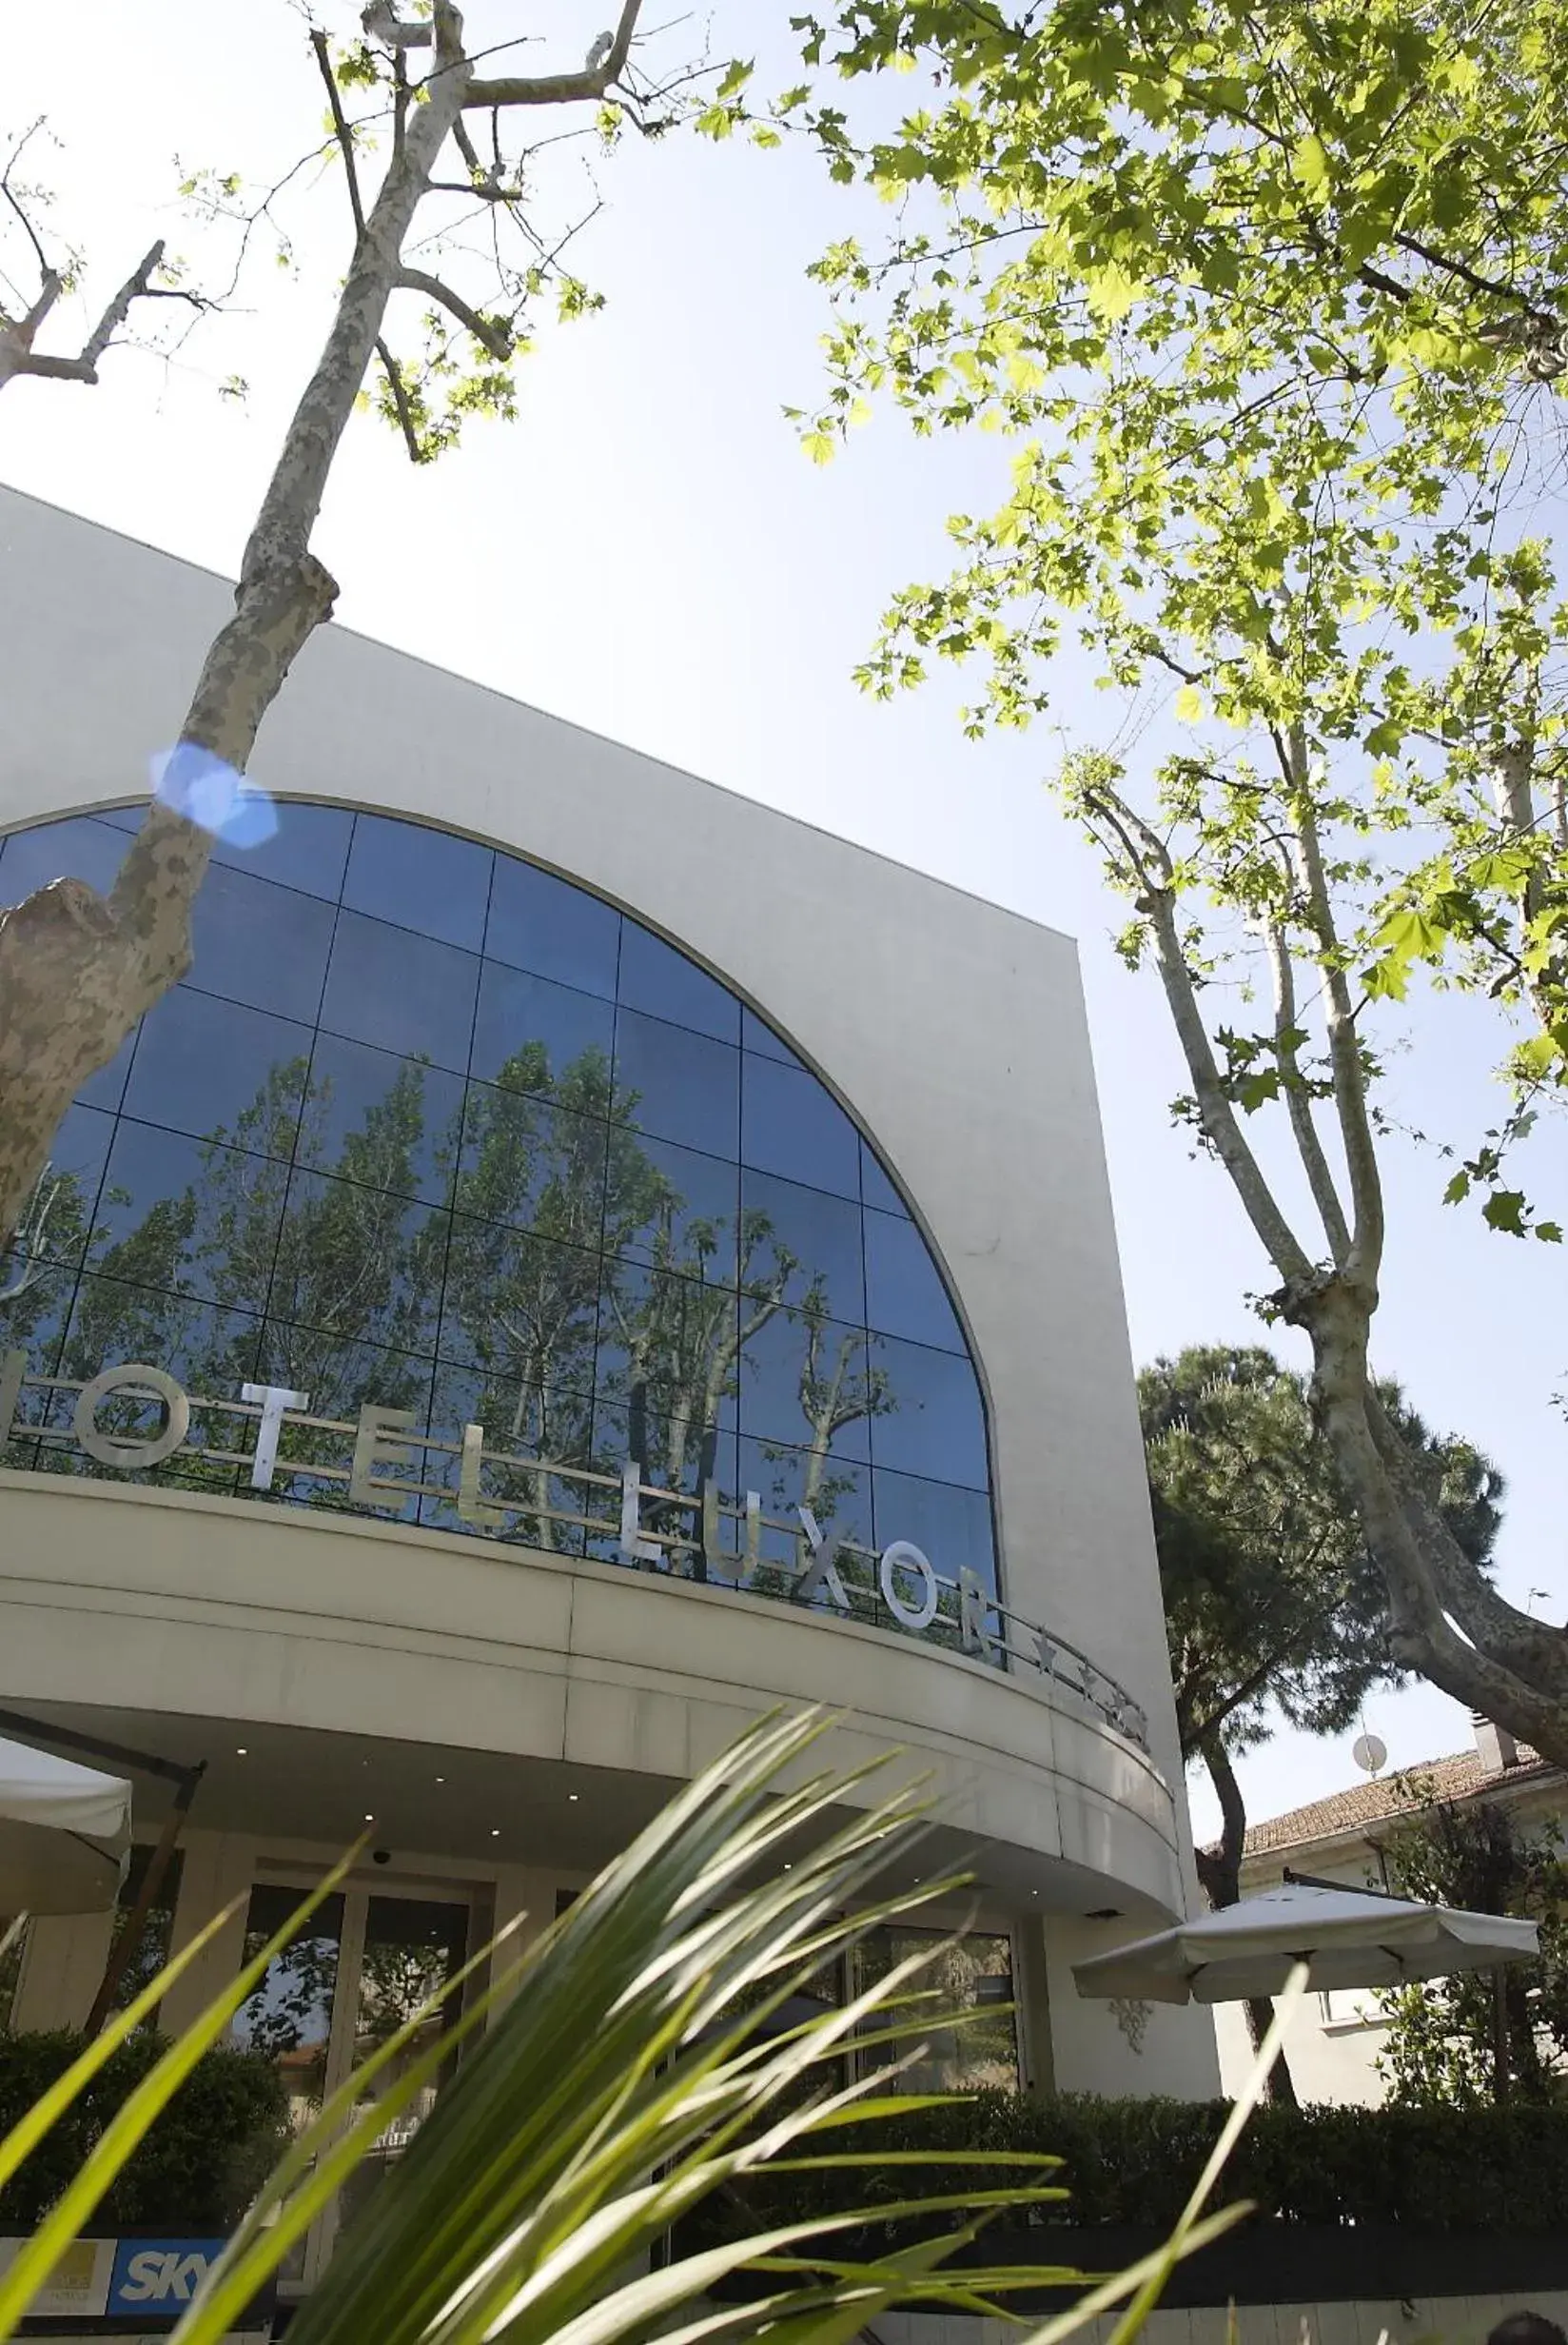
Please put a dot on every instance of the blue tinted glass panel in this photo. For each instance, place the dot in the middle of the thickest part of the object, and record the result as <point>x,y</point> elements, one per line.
<point>106,1086</point>
<point>124,818</point>
<point>876,1187</point>
<point>790,1125</point>
<point>420,878</point>
<point>261,944</point>
<point>675,1455</point>
<point>951,1527</point>
<point>220,1071</point>
<point>79,848</point>
<point>680,1214</point>
<point>188,1215</point>
<point>543,924</point>
<point>387,1122</point>
<point>518,1417</point>
<point>342,1378</point>
<point>806,1381</point>
<point>400,992</point>
<point>678,1086</point>
<point>209,1350</point>
<point>802,1242</point>
<point>307,850</point>
<point>904,1291</point>
<point>533,1035</point>
<point>519,1306</point>
<point>671,1335</point>
<point>360,1263</point>
<point>60,1221</point>
<point>663,983</point>
<point>929,1419</point>
<point>836,1490</point>
<point>756,1035</point>
<point>34,1322</point>
<point>533,1165</point>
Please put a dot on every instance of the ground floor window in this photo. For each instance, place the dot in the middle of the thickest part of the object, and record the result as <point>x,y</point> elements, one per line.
<point>973,1977</point>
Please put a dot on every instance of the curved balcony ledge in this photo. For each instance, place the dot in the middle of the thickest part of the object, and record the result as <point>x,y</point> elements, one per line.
<point>146,1598</point>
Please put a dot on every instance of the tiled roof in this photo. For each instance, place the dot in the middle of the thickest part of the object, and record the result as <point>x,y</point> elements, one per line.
<point>1460,1775</point>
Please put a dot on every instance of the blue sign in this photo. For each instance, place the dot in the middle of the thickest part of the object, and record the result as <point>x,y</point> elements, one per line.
<point>157,2278</point>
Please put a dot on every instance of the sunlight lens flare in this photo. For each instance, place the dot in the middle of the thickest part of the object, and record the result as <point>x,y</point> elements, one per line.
<point>207,790</point>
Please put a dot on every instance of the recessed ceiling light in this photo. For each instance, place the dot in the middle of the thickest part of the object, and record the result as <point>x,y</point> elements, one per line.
<point>440,1779</point>
<point>240,1750</point>
<point>368,1817</point>
<point>571,1795</point>
<point>495,1832</point>
<point>788,1868</point>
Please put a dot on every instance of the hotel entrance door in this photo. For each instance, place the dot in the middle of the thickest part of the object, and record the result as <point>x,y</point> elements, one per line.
<point>363,1964</point>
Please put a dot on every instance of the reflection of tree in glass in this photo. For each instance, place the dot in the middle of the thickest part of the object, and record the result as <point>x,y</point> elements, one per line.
<point>411,1950</point>
<point>290,2014</point>
<point>37,1271</point>
<point>571,1250</point>
<point>973,1975</point>
<point>356,1262</point>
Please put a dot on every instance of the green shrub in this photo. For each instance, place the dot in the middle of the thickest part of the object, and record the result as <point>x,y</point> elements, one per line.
<point>1135,2162</point>
<point>199,2166</point>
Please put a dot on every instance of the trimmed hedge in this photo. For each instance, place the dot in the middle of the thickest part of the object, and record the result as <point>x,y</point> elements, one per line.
<point>1133,2163</point>
<point>200,2165</point>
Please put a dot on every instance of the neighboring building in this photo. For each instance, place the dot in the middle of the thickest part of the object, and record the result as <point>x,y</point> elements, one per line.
<point>1334,2041</point>
<point>572,1214</point>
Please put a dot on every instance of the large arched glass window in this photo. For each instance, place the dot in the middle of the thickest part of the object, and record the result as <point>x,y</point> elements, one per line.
<point>429,1126</point>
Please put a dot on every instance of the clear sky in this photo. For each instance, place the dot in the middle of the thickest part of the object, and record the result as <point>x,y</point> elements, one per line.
<point>645,551</point>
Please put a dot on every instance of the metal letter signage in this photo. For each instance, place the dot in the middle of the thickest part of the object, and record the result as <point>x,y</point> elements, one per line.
<point>684,1534</point>
<point>904,1556</point>
<point>272,1399</point>
<point>148,1382</point>
<point>821,1567</point>
<point>373,1449</point>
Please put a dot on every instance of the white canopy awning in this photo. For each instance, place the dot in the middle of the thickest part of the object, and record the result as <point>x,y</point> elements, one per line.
<point>1348,1937</point>
<point>65,1834</point>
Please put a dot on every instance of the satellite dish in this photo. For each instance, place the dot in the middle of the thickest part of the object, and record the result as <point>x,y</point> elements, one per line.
<point>1370,1752</point>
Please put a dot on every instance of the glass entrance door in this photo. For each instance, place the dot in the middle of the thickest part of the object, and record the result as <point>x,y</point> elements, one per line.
<point>363,1964</point>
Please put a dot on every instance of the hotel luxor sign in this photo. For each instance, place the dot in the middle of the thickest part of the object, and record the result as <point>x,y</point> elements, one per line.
<point>386,1446</point>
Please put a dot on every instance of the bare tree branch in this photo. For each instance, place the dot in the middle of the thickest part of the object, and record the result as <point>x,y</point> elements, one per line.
<point>340,124</point>
<point>400,400</point>
<point>488,333</point>
<point>381,22</point>
<point>1299,1100</point>
<point>18,357</point>
<point>44,269</point>
<point>1344,1051</point>
<point>1147,857</point>
<point>137,286</point>
<point>560,88</point>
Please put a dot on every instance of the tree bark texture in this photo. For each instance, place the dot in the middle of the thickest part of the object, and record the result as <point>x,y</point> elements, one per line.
<point>77,969</point>
<point>1220,1874</point>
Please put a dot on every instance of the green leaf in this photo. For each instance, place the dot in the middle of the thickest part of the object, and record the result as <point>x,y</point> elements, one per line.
<point>1505,1210</point>
<point>1189,704</point>
<point>1458,1189</point>
<point>736,74</point>
<point>1310,165</point>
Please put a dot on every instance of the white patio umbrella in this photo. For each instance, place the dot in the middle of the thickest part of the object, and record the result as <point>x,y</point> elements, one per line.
<point>65,1834</point>
<point>1348,1937</point>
